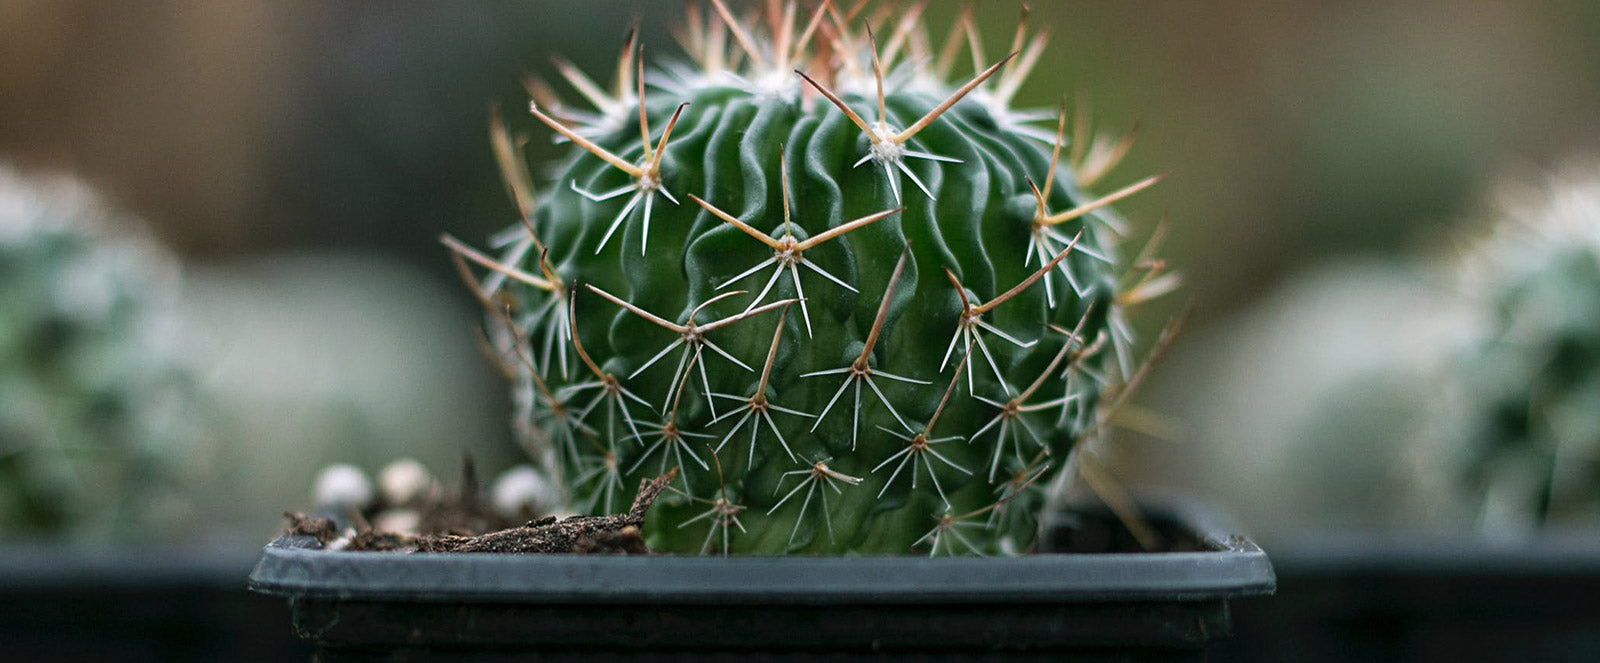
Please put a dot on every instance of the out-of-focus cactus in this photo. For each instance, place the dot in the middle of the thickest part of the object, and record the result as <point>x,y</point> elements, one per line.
<point>1306,412</point>
<point>863,308</point>
<point>95,418</point>
<point>1529,391</point>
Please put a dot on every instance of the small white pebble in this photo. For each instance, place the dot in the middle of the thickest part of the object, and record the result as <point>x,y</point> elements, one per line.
<point>343,487</point>
<point>1008,546</point>
<point>522,491</point>
<point>398,521</point>
<point>343,541</point>
<point>403,482</point>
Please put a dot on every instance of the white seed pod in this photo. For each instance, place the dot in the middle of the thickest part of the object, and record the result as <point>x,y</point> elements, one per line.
<point>343,487</point>
<point>403,482</point>
<point>522,492</point>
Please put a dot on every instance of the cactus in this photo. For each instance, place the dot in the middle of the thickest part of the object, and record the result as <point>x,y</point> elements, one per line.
<point>93,425</point>
<point>1528,387</point>
<point>861,308</point>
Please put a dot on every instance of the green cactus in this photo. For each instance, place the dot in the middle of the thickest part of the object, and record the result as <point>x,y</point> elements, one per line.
<point>1529,387</point>
<point>861,309</point>
<point>92,428</point>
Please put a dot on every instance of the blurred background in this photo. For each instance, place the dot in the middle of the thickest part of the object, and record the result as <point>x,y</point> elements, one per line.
<point>299,158</point>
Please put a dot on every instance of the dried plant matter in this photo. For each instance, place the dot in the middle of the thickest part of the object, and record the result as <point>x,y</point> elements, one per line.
<point>610,533</point>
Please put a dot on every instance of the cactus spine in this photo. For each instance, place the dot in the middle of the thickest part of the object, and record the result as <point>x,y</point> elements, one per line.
<point>818,279</point>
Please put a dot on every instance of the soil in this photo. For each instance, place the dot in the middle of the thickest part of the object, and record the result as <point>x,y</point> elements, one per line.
<point>468,513</point>
<point>461,521</point>
<point>458,525</point>
<point>321,529</point>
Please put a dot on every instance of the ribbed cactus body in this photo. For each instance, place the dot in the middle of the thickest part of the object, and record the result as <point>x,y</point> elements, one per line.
<point>756,358</point>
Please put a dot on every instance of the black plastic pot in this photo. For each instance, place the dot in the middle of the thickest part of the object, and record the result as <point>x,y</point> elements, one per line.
<point>1104,604</point>
<point>185,602</point>
<point>1423,599</point>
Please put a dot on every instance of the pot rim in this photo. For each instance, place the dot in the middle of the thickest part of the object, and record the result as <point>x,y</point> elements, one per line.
<point>1232,566</point>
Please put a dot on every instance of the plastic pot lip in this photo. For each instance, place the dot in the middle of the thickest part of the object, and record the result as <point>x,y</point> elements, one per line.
<point>1233,567</point>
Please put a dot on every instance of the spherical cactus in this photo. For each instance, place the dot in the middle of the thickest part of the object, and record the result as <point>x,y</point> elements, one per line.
<point>94,432</point>
<point>1530,386</point>
<point>859,307</point>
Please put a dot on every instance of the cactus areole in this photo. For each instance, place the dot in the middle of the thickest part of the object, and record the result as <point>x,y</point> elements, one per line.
<point>863,308</point>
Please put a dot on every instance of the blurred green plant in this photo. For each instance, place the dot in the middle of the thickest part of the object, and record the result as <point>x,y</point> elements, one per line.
<point>1529,389</point>
<point>1456,393</point>
<point>95,411</point>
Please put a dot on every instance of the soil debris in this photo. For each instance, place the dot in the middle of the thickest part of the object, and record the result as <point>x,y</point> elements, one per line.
<point>369,540</point>
<point>321,529</point>
<point>617,533</point>
<point>626,541</point>
<point>462,521</point>
<point>465,512</point>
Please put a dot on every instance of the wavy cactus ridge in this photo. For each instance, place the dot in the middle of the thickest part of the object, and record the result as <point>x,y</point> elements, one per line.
<point>850,334</point>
